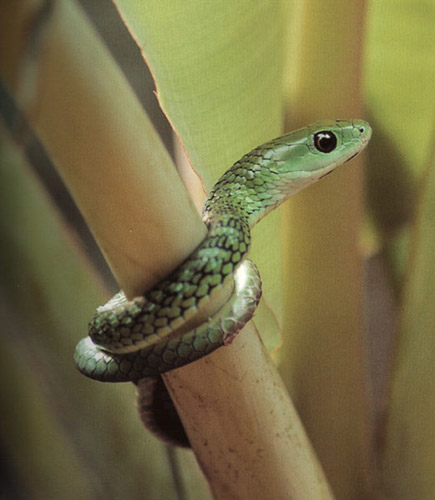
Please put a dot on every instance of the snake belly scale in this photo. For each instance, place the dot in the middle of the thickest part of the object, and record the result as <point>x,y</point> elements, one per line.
<point>151,334</point>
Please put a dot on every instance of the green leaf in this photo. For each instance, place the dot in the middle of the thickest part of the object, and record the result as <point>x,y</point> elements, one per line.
<point>399,76</point>
<point>398,83</point>
<point>409,453</point>
<point>218,74</point>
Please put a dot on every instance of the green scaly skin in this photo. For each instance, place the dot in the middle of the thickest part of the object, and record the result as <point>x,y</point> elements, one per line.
<point>131,340</point>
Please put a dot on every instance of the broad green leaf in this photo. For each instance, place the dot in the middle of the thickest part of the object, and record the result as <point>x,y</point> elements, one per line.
<point>409,452</point>
<point>398,83</point>
<point>398,80</point>
<point>218,75</point>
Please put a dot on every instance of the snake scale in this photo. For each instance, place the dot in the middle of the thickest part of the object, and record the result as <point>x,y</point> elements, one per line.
<point>138,340</point>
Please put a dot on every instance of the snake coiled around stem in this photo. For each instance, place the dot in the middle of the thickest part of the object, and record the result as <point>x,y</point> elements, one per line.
<point>152,334</point>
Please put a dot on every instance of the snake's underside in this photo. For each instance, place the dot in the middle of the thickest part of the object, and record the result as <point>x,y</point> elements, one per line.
<point>151,334</point>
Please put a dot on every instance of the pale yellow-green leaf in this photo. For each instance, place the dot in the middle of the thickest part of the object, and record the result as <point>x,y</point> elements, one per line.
<point>398,83</point>
<point>218,72</point>
<point>409,453</point>
<point>398,79</point>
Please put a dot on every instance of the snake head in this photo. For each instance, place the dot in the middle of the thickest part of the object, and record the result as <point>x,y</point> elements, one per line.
<point>306,155</point>
<point>272,172</point>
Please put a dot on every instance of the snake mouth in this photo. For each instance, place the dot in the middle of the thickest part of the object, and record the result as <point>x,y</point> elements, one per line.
<point>351,157</point>
<point>324,175</point>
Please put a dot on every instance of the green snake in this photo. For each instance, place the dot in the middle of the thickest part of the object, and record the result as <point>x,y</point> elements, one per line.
<point>140,339</point>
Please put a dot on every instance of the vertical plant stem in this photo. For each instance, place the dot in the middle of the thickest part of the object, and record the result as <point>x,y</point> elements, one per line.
<point>103,144</point>
<point>323,351</point>
<point>63,435</point>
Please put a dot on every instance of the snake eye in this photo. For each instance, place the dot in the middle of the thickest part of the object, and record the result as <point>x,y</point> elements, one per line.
<point>325,141</point>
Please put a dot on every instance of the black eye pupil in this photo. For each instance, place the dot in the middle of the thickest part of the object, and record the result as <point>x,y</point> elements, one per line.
<point>325,141</point>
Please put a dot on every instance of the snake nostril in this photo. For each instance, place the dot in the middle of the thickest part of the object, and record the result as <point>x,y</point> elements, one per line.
<point>361,129</point>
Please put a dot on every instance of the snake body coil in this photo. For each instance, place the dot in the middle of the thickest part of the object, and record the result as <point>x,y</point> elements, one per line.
<point>152,334</point>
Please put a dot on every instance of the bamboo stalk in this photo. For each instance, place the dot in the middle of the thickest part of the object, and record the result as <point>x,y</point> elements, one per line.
<point>325,368</point>
<point>245,431</point>
<point>124,184</point>
<point>57,427</point>
<point>103,145</point>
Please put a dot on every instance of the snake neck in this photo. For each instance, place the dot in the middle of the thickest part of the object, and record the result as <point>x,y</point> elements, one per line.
<point>228,236</point>
<point>249,190</point>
